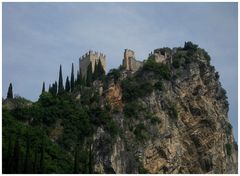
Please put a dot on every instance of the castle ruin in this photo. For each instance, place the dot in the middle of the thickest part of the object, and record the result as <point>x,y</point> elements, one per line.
<point>161,56</point>
<point>129,61</point>
<point>91,57</point>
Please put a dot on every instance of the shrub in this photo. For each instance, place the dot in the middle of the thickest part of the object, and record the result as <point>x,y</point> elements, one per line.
<point>155,119</point>
<point>176,64</point>
<point>228,129</point>
<point>131,110</point>
<point>161,70</point>
<point>115,73</point>
<point>229,149</point>
<point>158,85</point>
<point>190,46</point>
<point>173,112</point>
<point>140,132</point>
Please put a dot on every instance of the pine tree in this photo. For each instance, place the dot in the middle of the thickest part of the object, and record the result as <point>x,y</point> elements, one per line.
<point>10,92</point>
<point>16,156</point>
<point>43,87</point>
<point>89,75</point>
<point>72,78</point>
<point>35,160</point>
<point>60,82</point>
<point>67,86</point>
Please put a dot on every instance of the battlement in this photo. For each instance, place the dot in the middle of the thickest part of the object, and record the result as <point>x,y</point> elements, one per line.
<point>91,57</point>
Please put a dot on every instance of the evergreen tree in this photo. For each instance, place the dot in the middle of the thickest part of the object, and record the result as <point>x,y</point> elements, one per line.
<point>60,82</point>
<point>101,71</point>
<point>67,86</point>
<point>72,78</point>
<point>43,87</point>
<point>50,89</point>
<point>55,88</point>
<point>89,75</point>
<point>10,92</point>
<point>42,157</point>
<point>27,155</point>
<point>35,160</point>
<point>77,82</point>
<point>95,74</point>
<point>16,156</point>
<point>76,160</point>
<point>8,164</point>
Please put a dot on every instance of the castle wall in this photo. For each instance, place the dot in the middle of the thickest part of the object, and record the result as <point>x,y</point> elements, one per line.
<point>91,57</point>
<point>129,61</point>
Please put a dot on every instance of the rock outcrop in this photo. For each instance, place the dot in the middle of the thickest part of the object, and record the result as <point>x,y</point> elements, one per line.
<point>182,128</point>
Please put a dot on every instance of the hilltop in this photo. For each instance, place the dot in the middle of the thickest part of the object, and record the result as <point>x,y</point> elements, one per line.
<point>166,114</point>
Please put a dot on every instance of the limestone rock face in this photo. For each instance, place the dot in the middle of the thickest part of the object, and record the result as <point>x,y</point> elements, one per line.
<point>197,139</point>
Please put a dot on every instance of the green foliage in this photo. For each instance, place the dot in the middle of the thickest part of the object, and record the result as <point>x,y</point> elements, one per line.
<point>67,86</point>
<point>190,46</point>
<point>10,92</point>
<point>176,64</point>
<point>228,149</point>
<point>89,79</point>
<point>60,82</point>
<point>131,110</point>
<point>72,79</point>
<point>43,87</point>
<point>24,152</point>
<point>140,132</point>
<point>173,112</point>
<point>115,74</point>
<point>160,70</point>
<point>158,85</point>
<point>133,89</point>
<point>228,129</point>
<point>155,119</point>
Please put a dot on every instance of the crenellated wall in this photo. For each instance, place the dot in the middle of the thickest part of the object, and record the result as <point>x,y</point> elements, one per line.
<point>91,57</point>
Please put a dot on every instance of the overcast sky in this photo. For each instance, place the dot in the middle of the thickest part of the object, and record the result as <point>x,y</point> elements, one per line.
<point>38,37</point>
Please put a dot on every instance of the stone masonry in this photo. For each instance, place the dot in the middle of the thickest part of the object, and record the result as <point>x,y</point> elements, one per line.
<point>91,57</point>
<point>129,61</point>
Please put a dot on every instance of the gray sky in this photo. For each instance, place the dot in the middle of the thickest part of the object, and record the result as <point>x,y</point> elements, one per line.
<point>38,37</point>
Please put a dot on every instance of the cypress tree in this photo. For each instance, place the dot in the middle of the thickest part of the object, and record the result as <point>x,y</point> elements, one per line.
<point>8,164</point>
<point>95,74</point>
<point>16,156</point>
<point>42,157</point>
<point>60,82</point>
<point>101,71</point>
<point>27,155</point>
<point>43,87</point>
<point>50,89</point>
<point>55,88</point>
<point>67,86</point>
<point>35,160</point>
<point>76,160</point>
<point>89,75</point>
<point>72,78</point>
<point>10,92</point>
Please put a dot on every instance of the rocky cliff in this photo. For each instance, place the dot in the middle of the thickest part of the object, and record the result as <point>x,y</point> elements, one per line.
<point>179,126</point>
<point>168,116</point>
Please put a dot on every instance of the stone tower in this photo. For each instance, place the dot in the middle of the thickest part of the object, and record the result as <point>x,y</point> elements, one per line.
<point>91,57</point>
<point>129,61</point>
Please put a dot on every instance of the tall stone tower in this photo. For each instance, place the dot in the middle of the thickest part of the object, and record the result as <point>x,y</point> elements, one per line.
<point>91,57</point>
<point>129,61</point>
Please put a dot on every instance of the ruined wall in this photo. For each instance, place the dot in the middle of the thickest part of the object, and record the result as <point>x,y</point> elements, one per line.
<point>129,61</point>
